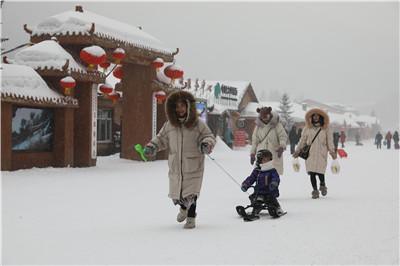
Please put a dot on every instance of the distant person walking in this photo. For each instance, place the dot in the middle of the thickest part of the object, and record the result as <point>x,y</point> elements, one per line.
<point>342,138</point>
<point>336,137</point>
<point>358,137</point>
<point>396,140</point>
<point>293,139</point>
<point>378,140</point>
<point>388,139</point>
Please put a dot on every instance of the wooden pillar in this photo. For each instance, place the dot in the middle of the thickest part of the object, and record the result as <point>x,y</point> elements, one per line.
<point>161,119</point>
<point>83,126</point>
<point>6,129</point>
<point>136,108</point>
<point>64,137</point>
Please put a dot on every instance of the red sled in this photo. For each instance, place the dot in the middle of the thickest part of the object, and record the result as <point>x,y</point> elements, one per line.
<point>342,153</point>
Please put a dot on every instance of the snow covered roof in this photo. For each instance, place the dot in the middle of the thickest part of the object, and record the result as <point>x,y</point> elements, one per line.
<point>298,114</point>
<point>47,54</point>
<point>223,95</point>
<point>80,23</point>
<point>22,83</point>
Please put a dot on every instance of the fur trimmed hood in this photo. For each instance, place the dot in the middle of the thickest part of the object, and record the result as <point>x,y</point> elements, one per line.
<point>274,120</point>
<point>316,111</point>
<point>170,106</point>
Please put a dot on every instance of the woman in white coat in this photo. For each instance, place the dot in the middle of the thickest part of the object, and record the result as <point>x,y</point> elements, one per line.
<point>269,134</point>
<point>317,122</point>
<point>187,139</point>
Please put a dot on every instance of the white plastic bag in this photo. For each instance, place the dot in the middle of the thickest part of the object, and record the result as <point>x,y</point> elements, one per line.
<point>335,167</point>
<point>296,164</point>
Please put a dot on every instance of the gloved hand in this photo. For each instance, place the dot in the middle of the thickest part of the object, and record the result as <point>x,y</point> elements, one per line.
<point>280,151</point>
<point>295,154</point>
<point>150,150</point>
<point>205,148</point>
<point>333,155</point>
<point>252,158</point>
<point>273,185</point>
<point>243,188</point>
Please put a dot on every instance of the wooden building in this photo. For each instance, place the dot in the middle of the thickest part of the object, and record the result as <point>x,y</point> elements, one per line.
<point>36,121</point>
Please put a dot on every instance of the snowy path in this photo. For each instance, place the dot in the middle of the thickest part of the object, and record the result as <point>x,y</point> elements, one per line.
<point>119,213</point>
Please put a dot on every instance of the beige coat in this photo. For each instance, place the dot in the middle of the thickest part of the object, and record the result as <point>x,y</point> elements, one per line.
<point>276,138</point>
<point>185,160</point>
<point>317,160</point>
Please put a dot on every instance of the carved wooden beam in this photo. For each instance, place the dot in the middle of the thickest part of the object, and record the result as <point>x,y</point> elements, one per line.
<point>26,29</point>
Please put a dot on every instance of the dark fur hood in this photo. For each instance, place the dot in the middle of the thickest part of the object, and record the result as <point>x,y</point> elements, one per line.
<point>321,113</point>
<point>170,105</point>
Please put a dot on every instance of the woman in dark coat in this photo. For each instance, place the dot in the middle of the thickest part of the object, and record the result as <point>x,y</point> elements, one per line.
<point>396,140</point>
<point>378,140</point>
<point>293,139</point>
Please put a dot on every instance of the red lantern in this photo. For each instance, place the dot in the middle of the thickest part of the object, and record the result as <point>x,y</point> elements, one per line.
<point>105,65</point>
<point>173,72</point>
<point>157,63</point>
<point>114,97</point>
<point>118,55</point>
<point>118,73</point>
<point>67,83</point>
<point>93,56</point>
<point>106,88</point>
<point>160,96</point>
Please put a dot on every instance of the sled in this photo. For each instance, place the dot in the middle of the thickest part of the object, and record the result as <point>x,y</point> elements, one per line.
<point>342,153</point>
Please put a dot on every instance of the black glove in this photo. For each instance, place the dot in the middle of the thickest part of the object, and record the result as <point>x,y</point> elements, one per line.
<point>243,188</point>
<point>150,150</point>
<point>205,148</point>
<point>252,158</point>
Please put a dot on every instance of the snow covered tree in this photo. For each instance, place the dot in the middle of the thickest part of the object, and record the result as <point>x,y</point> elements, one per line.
<point>284,112</point>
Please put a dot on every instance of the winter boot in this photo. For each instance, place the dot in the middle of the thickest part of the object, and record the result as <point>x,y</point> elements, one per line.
<point>324,190</point>
<point>181,215</point>
<point>315,194</point>
<point>190,223</point>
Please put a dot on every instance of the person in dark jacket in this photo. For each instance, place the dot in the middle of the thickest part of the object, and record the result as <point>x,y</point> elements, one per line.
<point>378,140</point>
<point>299,134</point>
<point>336,137</point>
<point>267,181</point>
<point>293,139</point>
<point>342,138</point>
<point>388,139</point>
<point>396,140</point>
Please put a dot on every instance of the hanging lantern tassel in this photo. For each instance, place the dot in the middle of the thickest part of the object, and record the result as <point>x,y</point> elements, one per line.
<point>118,55</point>
<point>68,83</point>
<point>114,97</point>
<point>160,96</point>
<point>157,64</point>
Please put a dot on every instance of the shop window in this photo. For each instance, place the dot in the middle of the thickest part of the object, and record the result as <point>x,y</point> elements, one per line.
<point>32,129</point>
<point>104,126</point>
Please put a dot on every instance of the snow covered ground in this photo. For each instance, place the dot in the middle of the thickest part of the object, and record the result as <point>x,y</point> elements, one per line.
<point>119,213</point>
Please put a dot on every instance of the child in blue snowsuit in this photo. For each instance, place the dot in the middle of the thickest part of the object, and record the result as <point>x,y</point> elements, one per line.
<point>267,182</point>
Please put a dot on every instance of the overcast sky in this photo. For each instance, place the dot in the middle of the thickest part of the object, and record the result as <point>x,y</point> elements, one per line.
<point>332,52</point>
